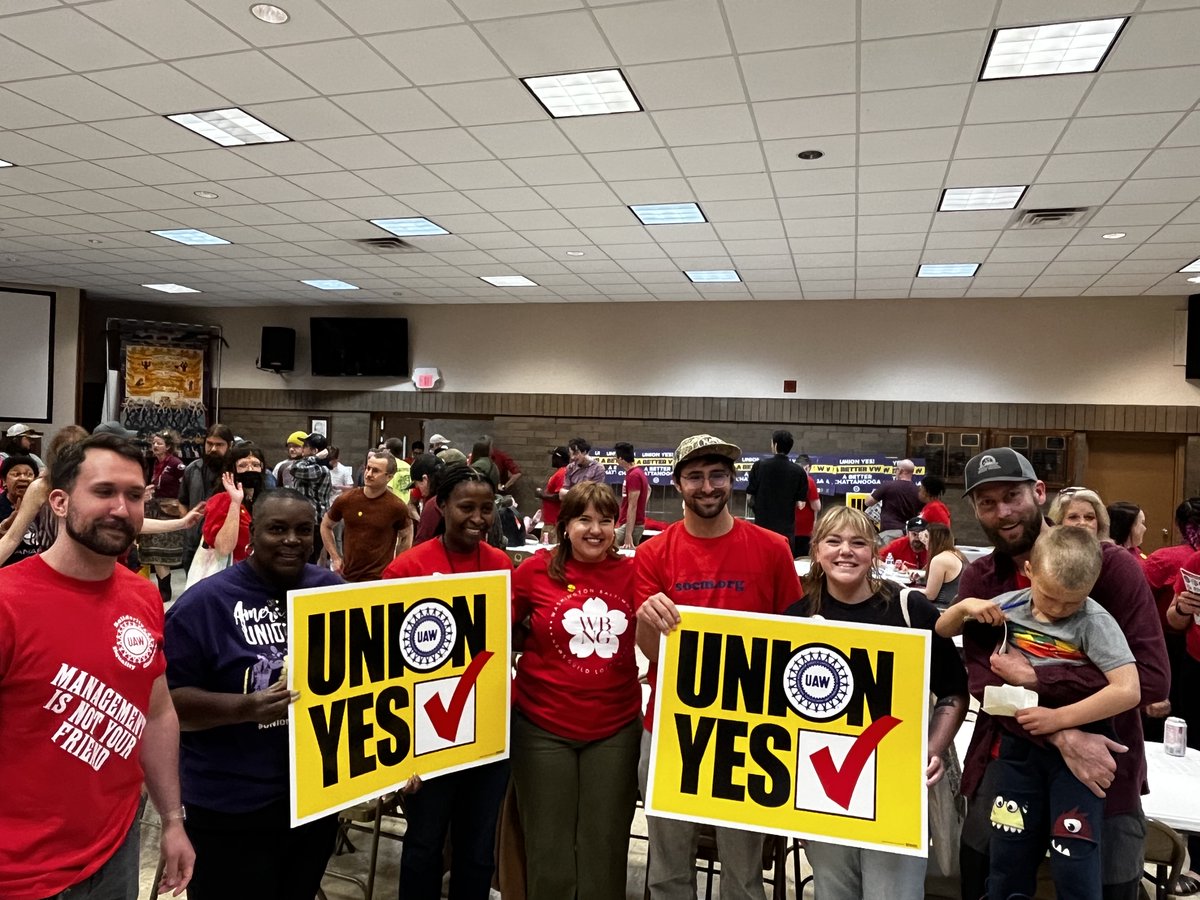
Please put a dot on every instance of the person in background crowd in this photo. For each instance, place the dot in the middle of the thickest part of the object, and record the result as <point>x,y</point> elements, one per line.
<point>425,472</point>
<point>582,467</point>
<point>725,563</point>
<point>776,488</point>
<point>900,501</point>
<point>841,587</point>
<point>18,441</point>
<point>508,470</point>
<point>17,473</point>
<point>401,481</point>
<point>232,697</point>
<point>1081,508</point>
<point>418,448</point>
<point>437,443</point>
<point>377,526</point>
<point>806,513</point>
<point>69,827</point>
<point>481,461</point>
<point>930,491</point>
<point>551,495</point>
<point>283,469</point>
<point>230,512</point>
<point>634,494</point>
<point>1006,496</point>
<point>464,804</point>
<point>341,476</point>
<point>910,550</point>
<point>200,479</point>
<point>576,727</point>
<point>310,476</point>
<point>164,551</point>
<point>946,564</point>
<point>1127,526</point>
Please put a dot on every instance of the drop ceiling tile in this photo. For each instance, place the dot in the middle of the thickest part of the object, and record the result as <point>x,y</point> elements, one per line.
<point>399,110</point>
<point>1140,267</point>
<point>993,172</point>
<point>1181,233</point>
<point>1173,162</point>
<point>1092,251</point>
<point>693,83</point>
<point>1023,255</point>
<point>884,147</point>
<point>403,180</point>
<point>160,88</point>
<point>626,131</point>
<point>1158,190</point>
<point>819,228</point>
<point>147,198</point>
<point>816,207</point>
<point>1022,99</point>
<point>972,220</point>
<point>545,44</point>
<point>901,177</point>
<point>473,175</point>
<point>77,98</point>
<point>961,240</point>
<point>872,242</point>
<point>153,134</point>
<point>636,32</point>
<point>546,170</point>
<point>82,141</point>
<point>19,112</point>
<point>890,258</point>
<point>1036,237</point>
<point>714,125</point>
<point>91,201</point>
<point>718,159</point>
<point>309,119</point>
<point>925,61</point>
<point>1003,139</point>
<point>806,118</point>
<point>23,151</point>
<point>800,73</point>
<point>310,21</point>
<point>86,175</point>
<point>334,185</point>
<point>622,234</point>
<point>895,224</point>
<point>1148,90</point>
<point>841,150</point>
<point>284,159</point>
<point>247,77</point>
<point>881,18</point>
<point>439,146</point>
<point>522,139</point>
<point>1187,133</point>
<point>890,202</point>
<point>808,184</point>
<point>68,34</point>
<point>1179,254</point>
<point>440,55</point>
<point>169,29</point>
<point>1095,235</point>
<point>572,197</point>
<point>1094,267</point>
<point>926,107</point>
<point>365,152</point>
<point>1188,215</point>
<point>533,220</point>
<point>1090,193</point>
<point>1152,40</point>
<point>1110,165</point>
<point>630,165</point>
<point>216,164</point>
<point>323,66</point>
<point>507,199</point>
<point>487,102</point>
<point>737,232</point>
<point>778,24</point>
<point>731,187</point>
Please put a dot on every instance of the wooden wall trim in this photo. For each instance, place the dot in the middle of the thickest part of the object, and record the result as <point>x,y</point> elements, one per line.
<point>881,413</point>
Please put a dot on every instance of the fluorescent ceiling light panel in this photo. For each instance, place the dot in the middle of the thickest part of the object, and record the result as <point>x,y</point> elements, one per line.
<point>1193,266</point>
<point>508,280</point>
<point>409,227</point>
<point>171,288</point>
<point>668,213</point>
<point>4,162</point>
<point>330,284</point>
<point>1058,49</point>
<point>190,236</point>
<point>714,275</point>
<point>229,127</point>
<point>947,270</point>
<point>583,93</point>
<point>959,199</point>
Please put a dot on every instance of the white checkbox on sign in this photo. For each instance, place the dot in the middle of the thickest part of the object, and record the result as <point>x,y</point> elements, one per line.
<point>820,787</point>
<point>439,694</point>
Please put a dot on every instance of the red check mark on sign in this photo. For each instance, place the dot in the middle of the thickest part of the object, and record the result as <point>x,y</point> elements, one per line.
<point>445,719</point>
<point>839,784</point>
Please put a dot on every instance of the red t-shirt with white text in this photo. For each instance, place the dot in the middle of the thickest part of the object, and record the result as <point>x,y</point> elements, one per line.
<point>577,677</point>
<point>78,660</point>
<point>749,569</point>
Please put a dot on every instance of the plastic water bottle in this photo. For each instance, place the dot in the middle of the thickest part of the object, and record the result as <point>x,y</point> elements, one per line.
<point>889,566</point>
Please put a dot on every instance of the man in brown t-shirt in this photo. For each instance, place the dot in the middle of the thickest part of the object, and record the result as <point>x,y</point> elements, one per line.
<point>376,523</point>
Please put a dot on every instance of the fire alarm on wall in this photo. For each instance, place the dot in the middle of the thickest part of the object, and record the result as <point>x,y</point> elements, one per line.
<point>789,387</point>
<point>426,379</point>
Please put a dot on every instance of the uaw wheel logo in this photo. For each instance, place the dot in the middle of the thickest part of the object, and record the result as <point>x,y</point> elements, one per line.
<point>427,635</point>
<point>818,682</point>
<point>135,645</point>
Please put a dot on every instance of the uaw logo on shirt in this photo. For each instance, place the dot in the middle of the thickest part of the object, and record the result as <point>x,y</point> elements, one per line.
<point>135,645</point>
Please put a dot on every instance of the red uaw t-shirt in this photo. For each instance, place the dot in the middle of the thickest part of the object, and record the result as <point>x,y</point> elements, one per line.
<point>577,677</point>
<point>77,663</point>
<point>749,569</point>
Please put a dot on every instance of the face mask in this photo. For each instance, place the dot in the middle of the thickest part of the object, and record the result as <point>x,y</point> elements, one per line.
<point>250,482</point>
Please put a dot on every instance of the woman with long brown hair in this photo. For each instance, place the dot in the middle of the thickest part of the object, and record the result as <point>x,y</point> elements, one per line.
<point>945,565</point>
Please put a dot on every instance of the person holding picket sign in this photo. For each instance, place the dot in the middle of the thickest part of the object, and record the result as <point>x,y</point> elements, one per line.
<point>842,586</point>
<point>577,723</point>
<point>463,804</point>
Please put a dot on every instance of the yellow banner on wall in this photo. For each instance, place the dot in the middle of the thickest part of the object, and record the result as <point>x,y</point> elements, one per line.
<point>793,726</point>
<point>167,374</point>
<point>396,678</point>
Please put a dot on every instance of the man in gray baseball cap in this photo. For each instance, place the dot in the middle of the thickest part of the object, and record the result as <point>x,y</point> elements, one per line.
<point>1006,496</point>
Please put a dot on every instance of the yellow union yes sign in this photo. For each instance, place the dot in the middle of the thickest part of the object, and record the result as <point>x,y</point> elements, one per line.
<point>396,678</point>
<point>793,726</point>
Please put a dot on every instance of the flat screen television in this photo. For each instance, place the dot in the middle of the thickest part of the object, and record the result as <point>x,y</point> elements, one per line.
<point>357,346</point>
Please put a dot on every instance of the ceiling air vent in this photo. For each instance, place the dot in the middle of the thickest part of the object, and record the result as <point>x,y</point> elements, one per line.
<point>1062,217</point>
<point>388,245</point>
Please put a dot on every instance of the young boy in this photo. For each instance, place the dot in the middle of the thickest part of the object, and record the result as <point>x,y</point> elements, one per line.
<point>1053,622</point>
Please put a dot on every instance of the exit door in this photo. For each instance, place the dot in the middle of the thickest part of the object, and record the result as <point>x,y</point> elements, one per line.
<point>1146,470</point>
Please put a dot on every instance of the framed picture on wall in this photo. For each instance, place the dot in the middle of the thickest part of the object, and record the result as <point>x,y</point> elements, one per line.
<point>319,426</point>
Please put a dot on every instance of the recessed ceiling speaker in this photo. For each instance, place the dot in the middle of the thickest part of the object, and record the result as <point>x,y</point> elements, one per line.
<point>277,351</point>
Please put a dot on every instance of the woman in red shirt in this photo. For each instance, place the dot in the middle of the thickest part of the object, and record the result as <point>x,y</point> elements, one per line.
<point>465,804</point>
<point>227,516</point>
<point>576,730</point>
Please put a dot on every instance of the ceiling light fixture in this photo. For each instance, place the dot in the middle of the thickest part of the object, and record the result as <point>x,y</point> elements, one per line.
<point>171,288</point>
<point>947,270</point>
<point>206,195</point>
<point>574,253</point>
<point>4,163</point>
<point>583,93</point>
<point>713,275</point>
<point>971,198</point>
<point>94,241</point>
<point>329,284</point>
<point>508,280</point>
<point>272,15</point>
<point>1113,235</point>
<point>231,127</point>
<point>809,155</point>
<point>190,236</point>
<point>1060,48</point>
<point>1193,266</point>
<point>1195,279</point>
<point>668,213</point>
<point>414,227</point>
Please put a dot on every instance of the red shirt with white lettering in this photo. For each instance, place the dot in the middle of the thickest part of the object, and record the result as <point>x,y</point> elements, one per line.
<point>78,660</point>
<point>748,569</point>
<point>577,677</point>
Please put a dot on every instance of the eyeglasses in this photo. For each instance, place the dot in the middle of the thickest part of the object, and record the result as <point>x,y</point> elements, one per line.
<point>697,479</point>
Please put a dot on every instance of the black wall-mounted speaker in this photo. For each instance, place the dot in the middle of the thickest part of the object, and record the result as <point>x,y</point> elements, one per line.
<point>278,349</point>
<point>1191,367</point>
